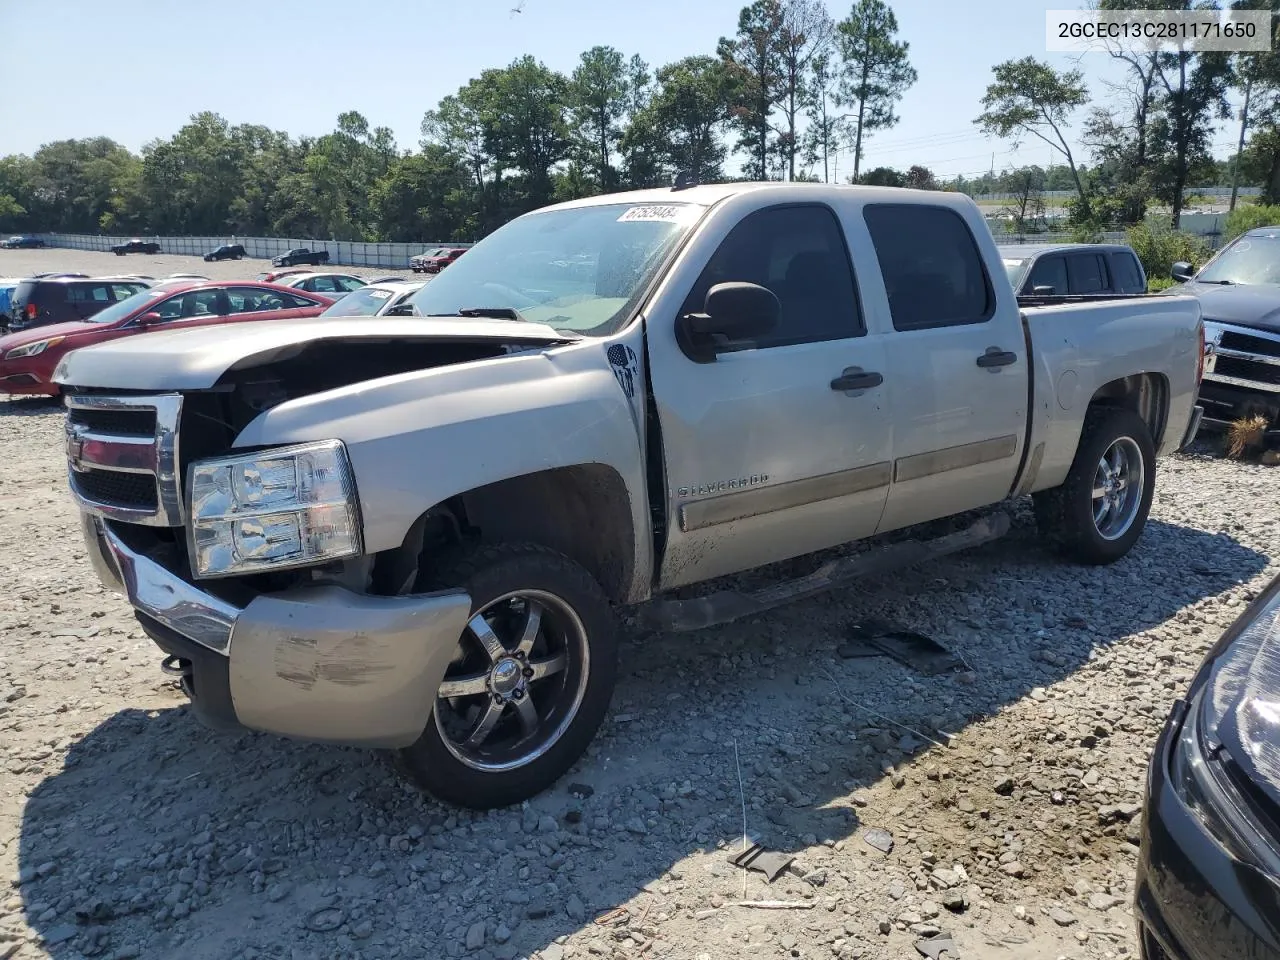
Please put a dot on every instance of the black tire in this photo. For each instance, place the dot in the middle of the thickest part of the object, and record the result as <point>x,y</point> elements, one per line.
<point>1065,515</point>
<point>490,573</point>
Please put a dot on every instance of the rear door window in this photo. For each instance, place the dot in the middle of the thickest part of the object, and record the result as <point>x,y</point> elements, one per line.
<point>1086,274</point>
<point>932,269</point>
<point>1048,272</point>
<point>1128,277</point>
<point>122,291</point>
<point>89,293</point>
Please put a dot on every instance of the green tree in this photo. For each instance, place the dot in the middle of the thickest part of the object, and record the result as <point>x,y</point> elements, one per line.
<point>524,116</point>
<point>1193,90</point>
<point>874,70</point>
<point>425,196</point>
<point>824,128</point>
<point>598,95</point>
<point>802,44</point>
<point>1030,97</point>
<point>920,178</point>
<point>882,177</point>
<point>682,122</point>
<point>754,69</point>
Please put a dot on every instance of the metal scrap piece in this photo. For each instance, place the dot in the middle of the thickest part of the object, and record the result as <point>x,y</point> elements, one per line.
<point>938,948</point>
<point>756,857</point>
<point>881,839</point>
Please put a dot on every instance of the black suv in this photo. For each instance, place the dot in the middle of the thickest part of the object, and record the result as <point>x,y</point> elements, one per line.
<point>301,255</point>
<point>228,251</point>
<point>40,302</point>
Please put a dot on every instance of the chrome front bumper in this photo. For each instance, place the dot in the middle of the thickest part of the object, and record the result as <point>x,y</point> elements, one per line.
<point>314,663</point>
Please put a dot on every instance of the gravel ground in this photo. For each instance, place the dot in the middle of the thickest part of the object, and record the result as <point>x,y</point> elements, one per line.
<point>128,830</point>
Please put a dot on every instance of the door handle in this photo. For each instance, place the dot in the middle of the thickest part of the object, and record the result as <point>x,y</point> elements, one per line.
<point>856,379</point>
<point>995,357</point>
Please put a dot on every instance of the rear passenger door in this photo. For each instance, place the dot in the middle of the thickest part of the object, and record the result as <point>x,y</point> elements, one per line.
<point>1126,273</point>
<point>86,299</point>
<point>956,368</point>
<point>768,456</point>
<point>1087,274</point>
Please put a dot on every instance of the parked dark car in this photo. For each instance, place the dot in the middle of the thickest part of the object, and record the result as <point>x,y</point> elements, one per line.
<point>1209,872</point>
<point>136,246</point>
<point>22,242</point>
<point>228,251</point>
<point>1239,294</point>
<point>39,302</point>
<point>1073,269</point>
<point>301,255</point>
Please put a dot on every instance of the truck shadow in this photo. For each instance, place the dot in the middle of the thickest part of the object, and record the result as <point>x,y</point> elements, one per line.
<point>30,406</point>
<point>162,837</point>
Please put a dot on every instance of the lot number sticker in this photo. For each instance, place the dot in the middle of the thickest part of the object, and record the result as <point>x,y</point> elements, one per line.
<point>656,213</point>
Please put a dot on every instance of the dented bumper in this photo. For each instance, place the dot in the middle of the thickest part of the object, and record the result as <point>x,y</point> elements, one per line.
<point>315,663</point>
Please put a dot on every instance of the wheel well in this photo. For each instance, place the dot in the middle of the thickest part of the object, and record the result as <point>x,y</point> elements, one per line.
<point>583,512</point>
<point>1146,394</point>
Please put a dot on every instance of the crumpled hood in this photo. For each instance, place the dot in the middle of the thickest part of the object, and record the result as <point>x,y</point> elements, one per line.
<point>195,359</point>
<point>1249,689</point>
<point>1249,305</point>
<point>34,335</point>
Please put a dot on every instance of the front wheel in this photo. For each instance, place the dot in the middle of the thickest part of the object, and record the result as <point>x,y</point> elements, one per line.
<point>529,684</point>
<point>1101,509</point>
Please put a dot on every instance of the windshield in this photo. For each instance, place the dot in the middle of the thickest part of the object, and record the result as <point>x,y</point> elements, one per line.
<point>1014,269</point>
<point>365,302</point>
<point>1254,258</point>
<point>580,270</point>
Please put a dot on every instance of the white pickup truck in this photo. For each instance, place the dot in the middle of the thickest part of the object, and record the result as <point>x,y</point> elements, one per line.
<point>409,533</point>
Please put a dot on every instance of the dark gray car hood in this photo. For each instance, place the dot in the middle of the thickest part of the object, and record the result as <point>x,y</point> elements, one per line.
<point>1249,305</point>
<point>195,359</point>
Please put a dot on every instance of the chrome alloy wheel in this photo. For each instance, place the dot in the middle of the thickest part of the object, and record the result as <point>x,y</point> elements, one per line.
<point>516,682</point>
<point>1117,488</point>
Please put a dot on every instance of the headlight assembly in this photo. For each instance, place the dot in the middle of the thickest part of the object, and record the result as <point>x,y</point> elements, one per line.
<point>1224,763</point>
<point>33,349</point>
<point>272,510</point>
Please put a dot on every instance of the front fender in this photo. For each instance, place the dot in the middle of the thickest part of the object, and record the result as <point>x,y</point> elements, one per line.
<point>416,439</point>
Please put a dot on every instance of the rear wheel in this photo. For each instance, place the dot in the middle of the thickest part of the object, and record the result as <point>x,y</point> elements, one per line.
<point>529,684</point>
<point>1101,509</point>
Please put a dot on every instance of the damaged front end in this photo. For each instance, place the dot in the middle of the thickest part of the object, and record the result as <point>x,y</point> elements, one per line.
<point>246,562</point>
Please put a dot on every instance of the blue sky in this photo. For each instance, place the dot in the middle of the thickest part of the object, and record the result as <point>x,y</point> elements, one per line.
<point>137,69</point>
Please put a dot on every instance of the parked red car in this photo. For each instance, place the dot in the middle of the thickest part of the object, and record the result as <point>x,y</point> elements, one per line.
<point>28,359</point>
<point>438,260</point>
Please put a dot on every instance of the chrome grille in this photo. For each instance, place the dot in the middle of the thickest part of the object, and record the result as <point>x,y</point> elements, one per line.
<point>1249,343</point>
<point>122,457</point>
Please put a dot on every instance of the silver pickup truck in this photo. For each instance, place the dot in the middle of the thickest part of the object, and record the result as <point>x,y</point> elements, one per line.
<point>409,533</point>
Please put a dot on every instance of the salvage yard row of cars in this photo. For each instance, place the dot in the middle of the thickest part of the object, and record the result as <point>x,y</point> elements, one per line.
<point>50,315</point>
<point>628,395</point>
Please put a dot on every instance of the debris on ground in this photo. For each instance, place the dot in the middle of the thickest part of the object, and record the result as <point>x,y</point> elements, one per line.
<point>755,857</point>
<point>914,650</point>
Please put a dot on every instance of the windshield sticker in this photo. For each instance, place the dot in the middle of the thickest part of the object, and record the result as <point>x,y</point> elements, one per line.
<point>657,213</point>
<point>379,294</point>
<point>1241,247</point>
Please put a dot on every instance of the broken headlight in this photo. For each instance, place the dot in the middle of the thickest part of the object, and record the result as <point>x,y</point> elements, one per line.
<point>1224,764</point>
<point>272,510</point>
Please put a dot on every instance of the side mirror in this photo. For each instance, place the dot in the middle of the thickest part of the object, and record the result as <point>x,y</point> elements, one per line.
<point>732,311</point>
<point>150,319</point>
<point>1181,271</point>
<point>401,310</point>
<point>1044,291</point>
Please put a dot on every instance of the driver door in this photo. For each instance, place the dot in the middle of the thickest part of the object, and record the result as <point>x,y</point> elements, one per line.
<point>768,455</point>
